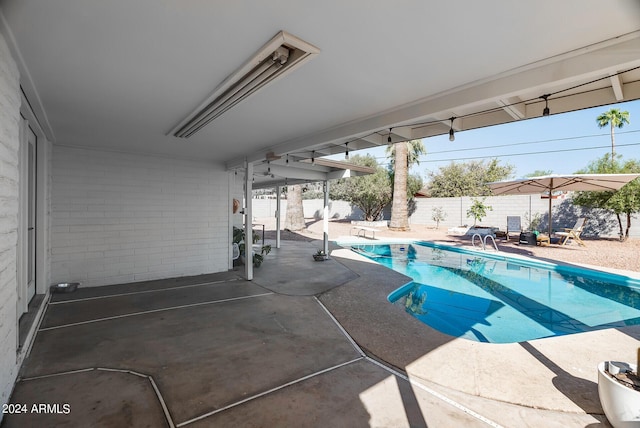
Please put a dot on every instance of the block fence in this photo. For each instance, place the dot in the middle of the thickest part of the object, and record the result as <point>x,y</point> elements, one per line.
<point>564,213</point>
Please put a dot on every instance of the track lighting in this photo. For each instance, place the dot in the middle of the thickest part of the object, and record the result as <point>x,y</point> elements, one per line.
<point>389,137</point>
<point>346,153</point>
<point>452,136</point>
<point>545,112</point>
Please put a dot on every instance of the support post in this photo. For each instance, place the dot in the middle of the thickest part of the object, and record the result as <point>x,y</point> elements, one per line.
<point>325,218</point>
<point>278,217</point>
<point>248,219</point>
<point>550,194</point>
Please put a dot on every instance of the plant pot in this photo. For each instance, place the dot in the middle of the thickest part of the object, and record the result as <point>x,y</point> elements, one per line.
<point>620,403</point>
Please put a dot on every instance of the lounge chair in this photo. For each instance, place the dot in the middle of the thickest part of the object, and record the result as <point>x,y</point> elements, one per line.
<point>573,233</point>
<point>513,225</point>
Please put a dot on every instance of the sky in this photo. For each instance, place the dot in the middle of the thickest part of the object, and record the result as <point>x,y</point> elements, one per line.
<point>561,143</point>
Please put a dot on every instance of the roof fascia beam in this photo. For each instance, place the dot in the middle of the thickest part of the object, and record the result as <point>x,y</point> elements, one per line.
<point>585,63</point>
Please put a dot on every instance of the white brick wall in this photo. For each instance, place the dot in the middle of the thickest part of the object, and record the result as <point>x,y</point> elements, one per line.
<point>9,144</point>
<point>120,218</point>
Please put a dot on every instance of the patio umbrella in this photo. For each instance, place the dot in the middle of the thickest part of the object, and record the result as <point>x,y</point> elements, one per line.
<point>552,183</point>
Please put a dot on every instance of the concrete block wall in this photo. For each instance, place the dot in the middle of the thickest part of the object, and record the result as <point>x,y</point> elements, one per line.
<point>599,223</point>
<point>455,210</point>
<point>9,145</point>
<point>313,208</point>
<point>120,218</point>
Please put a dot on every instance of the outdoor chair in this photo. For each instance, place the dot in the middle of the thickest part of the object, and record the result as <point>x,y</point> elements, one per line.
<point>513,225</point>
<point>573,233</point>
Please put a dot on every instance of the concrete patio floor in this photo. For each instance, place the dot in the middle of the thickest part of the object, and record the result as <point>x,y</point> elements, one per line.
<point>303,344</point>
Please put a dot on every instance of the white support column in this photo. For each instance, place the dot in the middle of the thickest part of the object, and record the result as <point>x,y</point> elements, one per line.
<point>325,218</point>
<point>278,217</point>
<point>248,221</point>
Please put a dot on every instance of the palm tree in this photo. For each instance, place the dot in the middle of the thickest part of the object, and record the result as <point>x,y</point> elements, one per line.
<point>294,218</point>
<point>403,155</point>
<point>616,119</point>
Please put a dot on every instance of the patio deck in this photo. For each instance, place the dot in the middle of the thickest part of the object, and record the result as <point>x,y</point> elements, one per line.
<point>303,344</point>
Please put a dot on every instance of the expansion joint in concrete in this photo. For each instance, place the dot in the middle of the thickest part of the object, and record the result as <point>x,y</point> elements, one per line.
<point>163,404</point>
<point>262,394</point>
<point>388,367</point>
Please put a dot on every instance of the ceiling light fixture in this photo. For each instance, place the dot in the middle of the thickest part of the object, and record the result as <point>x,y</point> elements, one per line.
<point>389,137</point>
<point>452,136</point>
<point>545,112</point>
<point>346,153</point>
<point>313,157</point>
<point>279,56</point>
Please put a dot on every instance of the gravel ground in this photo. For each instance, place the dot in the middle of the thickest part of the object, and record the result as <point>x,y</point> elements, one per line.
<point>608,253</point>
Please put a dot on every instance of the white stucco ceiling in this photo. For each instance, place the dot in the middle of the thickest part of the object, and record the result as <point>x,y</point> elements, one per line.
<point>119,75</point>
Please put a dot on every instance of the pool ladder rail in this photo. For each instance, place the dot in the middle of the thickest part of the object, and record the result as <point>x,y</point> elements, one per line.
<point>483,242</point>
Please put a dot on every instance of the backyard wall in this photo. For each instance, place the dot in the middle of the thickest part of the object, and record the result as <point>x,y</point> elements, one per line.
<point>599,223</point>
<point>9,144</point>
<point>119,218</point>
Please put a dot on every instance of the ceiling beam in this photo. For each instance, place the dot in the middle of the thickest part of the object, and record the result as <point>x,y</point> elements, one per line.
<point>514,107</point>
<point>404,132</point>
<point>616,85</point>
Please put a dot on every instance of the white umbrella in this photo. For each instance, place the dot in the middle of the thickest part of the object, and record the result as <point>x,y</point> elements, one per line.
<point>552,183</point>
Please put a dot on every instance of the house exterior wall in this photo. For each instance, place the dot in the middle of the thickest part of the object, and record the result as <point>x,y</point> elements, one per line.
<point>9,145</point>
<point>119,218</point>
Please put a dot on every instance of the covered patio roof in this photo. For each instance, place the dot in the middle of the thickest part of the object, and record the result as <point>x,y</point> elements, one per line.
<point>121,76</point>
<point>281,172</point>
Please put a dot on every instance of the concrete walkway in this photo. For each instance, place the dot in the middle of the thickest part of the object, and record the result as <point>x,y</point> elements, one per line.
<point>304,344</point>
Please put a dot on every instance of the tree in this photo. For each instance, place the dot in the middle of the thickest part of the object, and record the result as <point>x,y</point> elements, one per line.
<point>539,173</point>
<point>616,119</point>
<point>467,178</point>
<point>403,155</point>
<point>294,218</point>
<point>371,193</point>
<point>438,215</point>
<point>625,201</point>
<point>478,210</point>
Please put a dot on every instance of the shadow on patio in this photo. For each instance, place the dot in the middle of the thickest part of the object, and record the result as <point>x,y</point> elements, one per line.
<point>213,350</point>
<point>216,350</point>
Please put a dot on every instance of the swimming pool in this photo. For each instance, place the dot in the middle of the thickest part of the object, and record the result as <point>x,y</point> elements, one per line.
<point>498,299</point>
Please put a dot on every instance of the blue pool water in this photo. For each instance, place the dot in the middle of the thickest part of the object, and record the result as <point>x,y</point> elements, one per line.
<point>492,298</point>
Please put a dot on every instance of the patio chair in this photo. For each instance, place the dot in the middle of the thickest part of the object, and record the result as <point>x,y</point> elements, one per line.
<point>513,225</point>
<point>573,233</point>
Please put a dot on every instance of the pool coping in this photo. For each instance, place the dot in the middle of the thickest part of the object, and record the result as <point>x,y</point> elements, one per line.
<point>555,373</point>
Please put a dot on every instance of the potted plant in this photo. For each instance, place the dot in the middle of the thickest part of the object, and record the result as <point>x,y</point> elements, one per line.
<point>238,238</point>
<point>619,392</point>
<point>320,256</point>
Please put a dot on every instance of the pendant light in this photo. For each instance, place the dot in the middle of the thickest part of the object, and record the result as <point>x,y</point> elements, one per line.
<point>545,112</point>
<point>452,136</point>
